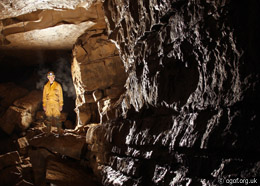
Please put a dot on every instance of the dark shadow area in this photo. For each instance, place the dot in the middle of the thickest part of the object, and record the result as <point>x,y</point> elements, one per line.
<point>177,82</point>
<point>7,143</point>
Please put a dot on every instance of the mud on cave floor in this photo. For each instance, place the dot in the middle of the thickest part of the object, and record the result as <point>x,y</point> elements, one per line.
<point>34,158</point>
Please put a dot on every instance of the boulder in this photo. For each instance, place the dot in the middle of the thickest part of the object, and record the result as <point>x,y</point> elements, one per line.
<point>10,168</point>
<point>37,128</point>
<point>9,92</point>
<point>23,144</point>
<point>11,175</point>
<point>68,145</point>
<point>38,159</point>
<point>57,172</point>
<point>30,102</point>
<point>11,117</point>
<point>21,115</point>
<point>27,172</point>
<point>9,159</point>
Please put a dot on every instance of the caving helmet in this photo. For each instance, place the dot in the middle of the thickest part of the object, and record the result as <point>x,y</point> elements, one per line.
<point>50,73</point>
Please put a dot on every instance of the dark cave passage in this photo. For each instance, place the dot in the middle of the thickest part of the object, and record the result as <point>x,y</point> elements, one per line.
<point>29,71</point>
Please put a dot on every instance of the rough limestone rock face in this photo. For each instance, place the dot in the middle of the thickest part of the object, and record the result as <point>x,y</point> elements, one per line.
<point>97,71</point>
<point>189,114</point>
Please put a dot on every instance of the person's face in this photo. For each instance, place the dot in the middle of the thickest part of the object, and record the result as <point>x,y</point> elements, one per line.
<point>51,78</point>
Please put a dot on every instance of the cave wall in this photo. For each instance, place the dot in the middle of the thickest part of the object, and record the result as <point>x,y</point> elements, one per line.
<point>189,114</point>
<point>98,73</point>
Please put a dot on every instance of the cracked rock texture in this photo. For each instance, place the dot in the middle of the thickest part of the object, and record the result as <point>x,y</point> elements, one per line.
<point>98,74</point>
<point>189,115</point>
<point>171,89</point>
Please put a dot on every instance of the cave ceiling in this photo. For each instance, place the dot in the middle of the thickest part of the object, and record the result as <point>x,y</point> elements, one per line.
<point>44,25</point>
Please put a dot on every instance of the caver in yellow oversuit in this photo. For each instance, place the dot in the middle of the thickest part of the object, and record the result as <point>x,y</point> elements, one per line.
<point>52,102</point>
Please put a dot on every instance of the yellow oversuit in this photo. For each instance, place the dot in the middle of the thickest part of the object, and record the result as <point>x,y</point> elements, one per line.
<point>52,102</point>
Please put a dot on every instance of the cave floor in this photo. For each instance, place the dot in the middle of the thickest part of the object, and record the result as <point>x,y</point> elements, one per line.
<point>33,158</point>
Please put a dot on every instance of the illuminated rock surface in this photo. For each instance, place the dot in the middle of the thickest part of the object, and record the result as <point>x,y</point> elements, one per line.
<point>166,92</point>
<point>189,115</point>
<point>98,75</point>
<point>52,25</point>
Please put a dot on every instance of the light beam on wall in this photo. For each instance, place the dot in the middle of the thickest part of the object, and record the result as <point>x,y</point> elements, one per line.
<point>58,37</point>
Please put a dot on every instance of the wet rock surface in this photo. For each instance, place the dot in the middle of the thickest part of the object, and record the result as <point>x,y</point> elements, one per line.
<point>189,115</point>
<point>166,94</point>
